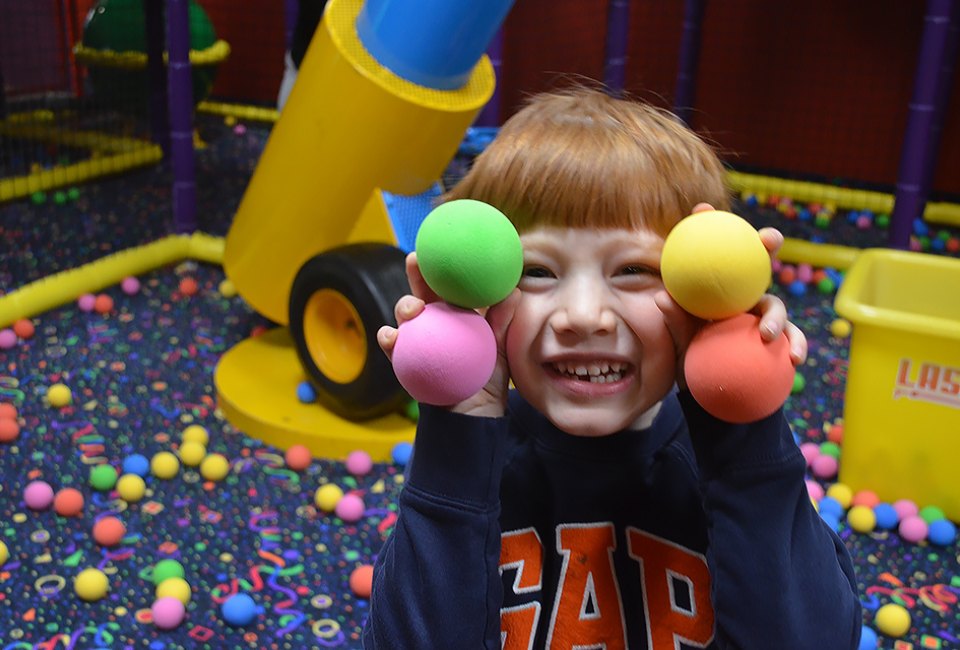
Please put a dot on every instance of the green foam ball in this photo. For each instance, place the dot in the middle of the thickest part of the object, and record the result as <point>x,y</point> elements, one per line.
<point>469,253</point>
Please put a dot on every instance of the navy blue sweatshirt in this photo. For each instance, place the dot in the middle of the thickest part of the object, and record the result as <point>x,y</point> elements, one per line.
<point>691,533</point>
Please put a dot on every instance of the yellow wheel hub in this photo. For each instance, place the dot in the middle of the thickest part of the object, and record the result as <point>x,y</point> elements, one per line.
<point>335,336</point>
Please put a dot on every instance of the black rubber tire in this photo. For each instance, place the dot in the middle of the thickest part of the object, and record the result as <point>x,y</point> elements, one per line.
<point>371,277</point>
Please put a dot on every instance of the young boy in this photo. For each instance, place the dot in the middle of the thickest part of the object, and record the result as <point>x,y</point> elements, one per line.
<point>596,506</point>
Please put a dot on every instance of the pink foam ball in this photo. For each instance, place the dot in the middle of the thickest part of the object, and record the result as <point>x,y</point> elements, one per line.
<point>824,466</point>
<point>130,285</point>
<point>444,355</point>
<point>905,508</point>
<point>8,339</point>
<point>913,529</point>
<point>168,612</point>
<point>38,495</point>
<point>815,490</point>
<point>359,463</point>
<point>86,302</point>
<point>350,508</point>
<point>804,273</point>
<point>809,450</point>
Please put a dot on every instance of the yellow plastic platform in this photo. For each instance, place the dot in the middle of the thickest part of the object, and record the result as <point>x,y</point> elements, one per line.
<point>257,383</point>
<point>902,406</point>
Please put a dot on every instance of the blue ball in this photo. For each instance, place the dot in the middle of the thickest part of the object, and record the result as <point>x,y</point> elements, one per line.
<point>136,464</point>
<point>920,227</point>
<point>306,393</point>
<point>887,517</point>
<point>830,506</point>
<point>831,520</point>
<point>401,453</point>
<point>797,288</point>
<point>868,639</point>
<point>239,610</point>
<point>942,532</point>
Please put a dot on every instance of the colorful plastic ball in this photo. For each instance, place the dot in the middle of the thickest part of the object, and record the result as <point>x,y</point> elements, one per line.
<point>166,569</point>
<point>913,529</point>
<point>175,587</point>
<point>840,328</point>
<point>239,610</point>
<point>799,383</point>
<point>9,430</point>
<point>8,339</point>
<point>306,393</point>
<point>359,463</point>
<point>136,464</point>
<point>86,302</point>
<point>59,395</point>
<point>91,584</point>
<point>131,488</point>
<point>130,285</point>
<point>164,465</point>
<point>38,495</point>
<point>68,502</point>
<point>192,453</point>
<point>842,492</point>
<point>188,286</point>
<point>830,449</point>
<point>862,519</point>
<point>103,477</point>
<point>298,457</point>
<point>469,253</point>
<point>401,453</point>
<point>941,532</point>
<point>215,467</point>
<point>826,285</point>
<point>103,304</point>
<point>444,355</point>
<point>361,581</point>
<point>931,514</point>
<point>809,451</point>
<point>824,467</point>
<point>8,411</point>
<point>109,531</point>
<point>835,433</point>
<point>829,505</point>
<point>168,613</point>
<point>814,490</point>
<point>867,498</point>
<point>831,520</point>
<point>893,620</point>
<point>905,508</point>
<point>327,497</point>
<point>887,517</point>
<point>868,639</point>
<point>196,433</point>
<point>734,374</point>
<point>4,554</point>
<point>350,508</point>
<point>227,289</point>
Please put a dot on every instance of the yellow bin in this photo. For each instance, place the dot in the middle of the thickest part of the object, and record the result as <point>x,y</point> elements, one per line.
<point>902,407</point>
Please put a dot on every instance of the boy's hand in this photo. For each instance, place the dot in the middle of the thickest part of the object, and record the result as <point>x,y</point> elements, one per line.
<point>491,400</point>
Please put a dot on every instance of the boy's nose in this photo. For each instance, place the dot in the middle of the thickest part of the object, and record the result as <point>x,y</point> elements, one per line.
<point>585,312</point>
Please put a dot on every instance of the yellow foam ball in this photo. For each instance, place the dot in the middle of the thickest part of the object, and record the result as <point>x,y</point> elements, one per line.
<point>327,497</point>
<point>840,328</point>
<point>196,433</point>
<point>59,395</point>
<point>214,467</point>
<point>131,488</point>
<point>714,265</point>
<point>91,584</point>
<point>4,554</point>
<point>227,289</point>
<point>192,453</point>
<point>862,519</point>
<point>842,493</point>
<point>893,620</point>
<point>164,465</point>
<point>175,588</point>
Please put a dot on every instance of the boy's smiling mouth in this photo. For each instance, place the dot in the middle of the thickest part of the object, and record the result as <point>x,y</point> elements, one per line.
<point>594,372</point>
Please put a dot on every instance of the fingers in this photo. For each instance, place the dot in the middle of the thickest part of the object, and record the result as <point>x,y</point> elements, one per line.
<point>500,315</point>
<point>387,339</point>
<point>772,240</point>
<point>798,343</point>
<point>773,322</point>
<point>681,325</point>
<point>418,286</point>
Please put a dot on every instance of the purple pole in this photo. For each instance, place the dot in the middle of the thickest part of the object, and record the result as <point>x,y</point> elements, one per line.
<point>618,36</point>
<point>290,12</point>
<point>157,75</point>
<point>911,195</point>
<point>490,115</point>
<point>683,96</point>
<point>180,85</point>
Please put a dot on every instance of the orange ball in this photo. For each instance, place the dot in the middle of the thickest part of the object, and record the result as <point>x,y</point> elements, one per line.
<point>361,581</point>
<point>9,430</point>
<point>8,411</point>
<point>109,531</point>
<point>298,458</point>
<point>188,286</point>
<point>835,433</point>
<point>68,502</point>
<point>24,328</point>
<point>734,374</point>
<point>103,304</point>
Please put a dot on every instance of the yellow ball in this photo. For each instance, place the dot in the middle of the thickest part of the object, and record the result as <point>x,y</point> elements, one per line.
<point>59,395</point>
<point>214,467</point>
<point>192,453</point>
<point>196,433</point>
<point>714,265</point>
<point>862,519</point>
<point>842,493</point>
<point>164,465</point>
<point>226,288</point>
<point>176,588</point>
<point>91,584</point>
<point>131,488</point>
<point>327,497</point>
<point>893,620</point>
<point>840,328</point>
<point>4,554</point>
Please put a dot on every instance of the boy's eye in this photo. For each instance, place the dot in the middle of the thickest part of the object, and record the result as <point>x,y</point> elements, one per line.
<point>638,269</point>
<point>536,272</point>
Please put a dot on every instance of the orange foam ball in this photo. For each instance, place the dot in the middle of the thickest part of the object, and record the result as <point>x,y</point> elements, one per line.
<point>24,328</point>
<point>68,502</point>
<point>361,581</point>
<point>189,286</point>
<point>8,411</point>
<point>109,531</point>
<point>298,458</point>
<point>9,430</point>
<point>103,304</point>
<point>734,374</point>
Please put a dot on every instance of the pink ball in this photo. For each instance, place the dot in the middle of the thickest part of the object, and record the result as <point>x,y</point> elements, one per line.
<point>824,466</point>
<point>913,529</point>
<point>38,495</point>
<point>444,355</point>
<point>804,273</point>
<point>815,490</point>
<point>905,508</point>
<point>810,450</point>
<point>168,612</point>
<point>130,285</point>
<point>350,508</point>
<point>359,463</point>
<point>8,339</point>
<point>86,302</point>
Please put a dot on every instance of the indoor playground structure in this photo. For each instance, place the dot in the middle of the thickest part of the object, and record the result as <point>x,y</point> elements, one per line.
<point>201,443</point>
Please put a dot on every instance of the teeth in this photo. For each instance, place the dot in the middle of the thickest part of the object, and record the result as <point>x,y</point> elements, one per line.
<point>600,372</point>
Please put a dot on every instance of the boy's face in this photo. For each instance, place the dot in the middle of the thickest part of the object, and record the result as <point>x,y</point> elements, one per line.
<point>588,346</point>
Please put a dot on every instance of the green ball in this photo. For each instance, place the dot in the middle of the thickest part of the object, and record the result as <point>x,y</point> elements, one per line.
<point>103,477</point>
<point>469,253</point>
<point>167,569</point>
<point>799,383</point>
<point>931,514</point>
